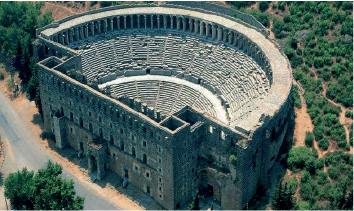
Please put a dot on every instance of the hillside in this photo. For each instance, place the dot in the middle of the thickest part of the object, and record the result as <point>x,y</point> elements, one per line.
<point>317,38</point>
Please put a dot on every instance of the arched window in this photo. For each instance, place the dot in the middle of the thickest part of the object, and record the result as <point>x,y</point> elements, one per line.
<point>144,158</point>
<point>133,152</point>
<point>71,116</point>
<point>90,127</point>
<point>81,123</point>
<point>122,146</point>
<point>111,140</point>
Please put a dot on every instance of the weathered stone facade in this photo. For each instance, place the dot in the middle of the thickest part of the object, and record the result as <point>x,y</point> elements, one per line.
<point>167,156</point>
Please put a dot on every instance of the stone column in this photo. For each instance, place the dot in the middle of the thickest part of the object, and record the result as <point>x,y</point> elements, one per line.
<point>240,41</point>
<point>145,21</point>
<point>125,22</point>
<point>235,39</point>
<point>219,34</point>
<point>138,21</point>
<point>118,22</point>
<point>71,35</point>
<point>82,36</point>
<point>132,22</point>
<point>230,37</point>
<point>92,28</point>
<point>195,27</point>
<point>111,25</point>
<point>77,34</point>
<point>201,28</point>
<point>184,24</point>
<point>158,22</point>
<point>165,22</point>
<point>178,23</point>
<point>152,21</point>
<point>61,38</point>
<point>190,25</point>
<point>207,30</point>
<point>67,37</point>
<point>99,27</point>
<point>213,32</point>
<point>171,21</point>
<point>86,31</point>
<point>225,36</point>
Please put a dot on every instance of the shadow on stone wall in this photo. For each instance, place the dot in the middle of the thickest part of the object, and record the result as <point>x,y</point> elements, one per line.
<point>264,196</point>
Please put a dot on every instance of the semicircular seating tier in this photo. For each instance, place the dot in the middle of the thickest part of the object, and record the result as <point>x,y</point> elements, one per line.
<point>235,77</point>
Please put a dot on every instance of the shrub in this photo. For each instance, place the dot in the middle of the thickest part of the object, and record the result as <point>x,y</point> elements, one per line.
<point>349,114</point>
<point>347,5</point>
<point>298,157</point>
<point>10,83</point>
<point>323,143</point>
<point>293,185</point>
<point>281,5</point>
<point>309,139</point>
<point>233,160</point>
<point>351,141</point>
<point>263,6</point>
<point>322,178</point>
<point>333,173</point>
<point>93,3</point>
<point>2,76</point>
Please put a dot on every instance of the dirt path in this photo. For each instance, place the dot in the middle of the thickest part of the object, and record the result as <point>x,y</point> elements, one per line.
<point>346,122</point>
<point>303,121</point>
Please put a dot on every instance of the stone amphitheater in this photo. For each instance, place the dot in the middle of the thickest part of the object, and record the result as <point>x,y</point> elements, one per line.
<point>172,98</point>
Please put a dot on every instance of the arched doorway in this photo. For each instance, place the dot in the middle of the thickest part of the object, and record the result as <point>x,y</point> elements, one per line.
<point>93,164</point>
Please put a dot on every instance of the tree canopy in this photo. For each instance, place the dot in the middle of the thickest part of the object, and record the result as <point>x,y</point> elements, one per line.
<point>44,190</point>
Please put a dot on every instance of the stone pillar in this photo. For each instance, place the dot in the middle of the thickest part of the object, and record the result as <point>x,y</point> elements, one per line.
<point>230,37</point>
<point>225,35</point>
<point>190,25</point>
<point>111,25</point>
<point>158,22</point>
<point>138,21</point>
<point>145,21</point>
<point>235,39</point>
<point>99,27</point>
<point>67,37</point>
<point>82,36</point>
<point>61,38</point>
<point>201,28</point>
<point>240,41</point>
<point>219,34</point>
<point>165,22</point>
<point>77,34</point>
<point>184,24</point>
<point>71,35</point>
<point>118,22</point>
<point>178,23</point>
<point>125,22</point>
<point>105,25</point>
<point>132,22</point>
<point>213,32</point>
<point>207,30</point>
<point>152,21</point>
<point>86,31</point>
<point>171,21</point>
<point>92,28</point>
<point>195,27</point>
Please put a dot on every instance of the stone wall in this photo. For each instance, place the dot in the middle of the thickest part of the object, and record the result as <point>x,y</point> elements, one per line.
<point>164,159</point>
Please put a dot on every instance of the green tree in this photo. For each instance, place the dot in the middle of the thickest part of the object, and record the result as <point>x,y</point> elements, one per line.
<point>263,6</point>
<point>283,198</point>
<point>45,190</point>
<point>309,139</point>
<point>195,203</point>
